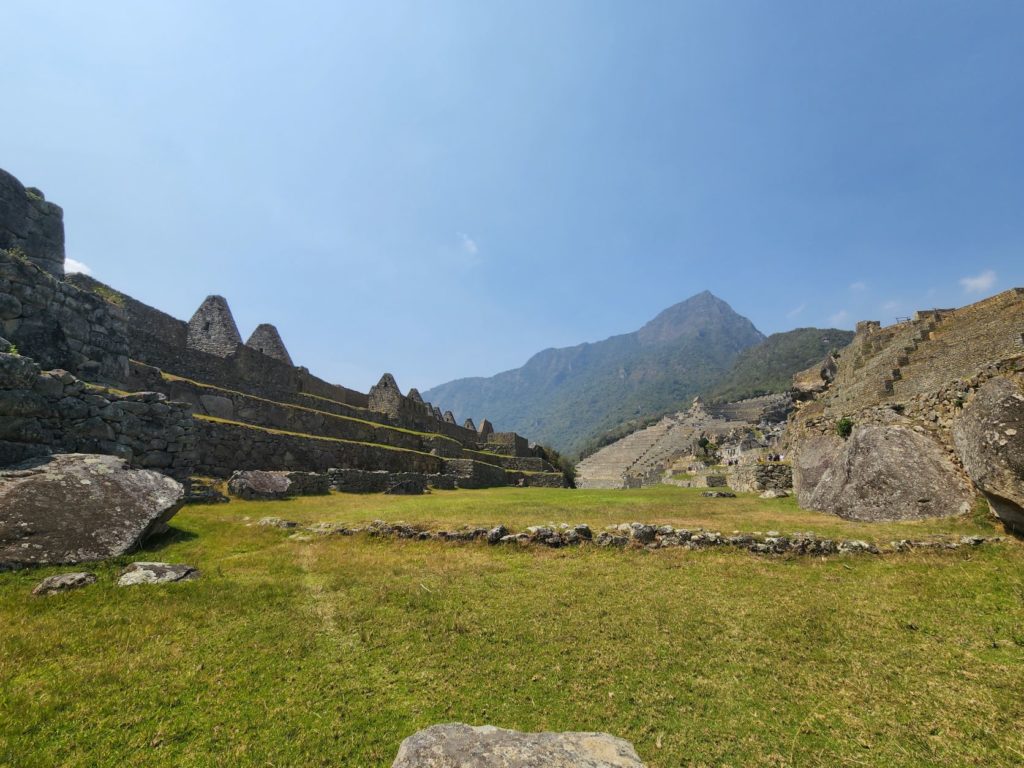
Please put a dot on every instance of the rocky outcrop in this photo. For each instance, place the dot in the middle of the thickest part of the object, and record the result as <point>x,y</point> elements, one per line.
<point>888,472</point>
<point>989,439</point>
<point>75,508</point>
<point>456,745</point>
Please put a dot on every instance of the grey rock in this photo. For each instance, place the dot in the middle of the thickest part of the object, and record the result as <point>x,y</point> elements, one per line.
<point>774,494</point>
<point>276,522</point>
<point>63,582</point>
<point>989,438</point>
<point>642,534</point>
<point>74,508</point>
<point>583,531</point>
<point>156,573</point>
<point>889,472</point>
<point>260,485</point>
<point>462,746</point>
<point>718,495</point>
<point>496,534</point>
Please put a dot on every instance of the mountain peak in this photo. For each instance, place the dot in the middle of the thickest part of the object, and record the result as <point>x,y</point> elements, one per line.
<point>693,317</point>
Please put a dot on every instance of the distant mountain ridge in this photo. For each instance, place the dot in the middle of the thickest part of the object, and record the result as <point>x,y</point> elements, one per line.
<point>768,367</point>
<point>564,397</point>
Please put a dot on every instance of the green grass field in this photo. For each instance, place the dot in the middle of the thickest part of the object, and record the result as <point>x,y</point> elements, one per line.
<point>329,652</point>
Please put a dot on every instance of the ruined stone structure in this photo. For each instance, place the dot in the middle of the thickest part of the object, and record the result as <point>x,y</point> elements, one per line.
<point>899,424</point>
<point>31,226</point>
<point>212,328</point>
<point>267,340</point>
<point>643,457</point>
<point>213,405</point>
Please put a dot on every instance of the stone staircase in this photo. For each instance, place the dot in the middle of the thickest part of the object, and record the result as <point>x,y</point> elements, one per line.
<point>936,347</point>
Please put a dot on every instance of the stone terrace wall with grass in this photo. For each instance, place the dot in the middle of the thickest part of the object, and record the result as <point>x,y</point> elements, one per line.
<point>31,225</point>
<point>307,419</point>
<point>226,446</point>
<point>59,325</point>
<point>44,412</point>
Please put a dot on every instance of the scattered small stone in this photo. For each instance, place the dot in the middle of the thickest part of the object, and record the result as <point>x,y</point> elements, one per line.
<point>276,522</point>
<point>63,582</point>
<point>496,534</point>
<point>156,573</point>
<point>718,495</point>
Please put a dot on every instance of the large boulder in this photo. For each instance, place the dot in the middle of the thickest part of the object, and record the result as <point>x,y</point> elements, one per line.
<point>884,472</point>
<point>989,437</point>
<point>260,485</point>
<point>812,456</point>
<point>462,746</point>
<point>74,508</point>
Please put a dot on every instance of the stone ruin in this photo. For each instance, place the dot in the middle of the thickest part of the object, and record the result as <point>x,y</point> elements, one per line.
<point>86,368</point>
<point>212,328</point>
<point>266,340</point>
<point>917,419</point>
<point>742,433</point>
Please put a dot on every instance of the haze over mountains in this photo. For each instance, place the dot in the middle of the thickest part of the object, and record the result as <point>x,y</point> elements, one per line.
<point>569,397</point>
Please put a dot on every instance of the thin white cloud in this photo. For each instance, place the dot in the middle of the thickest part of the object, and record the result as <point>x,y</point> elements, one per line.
<point>892,306</point>
<point>468,244</point>
<point>74,266</point>
<point>979,283</point>
<point>858,286</point>
<point>796,310</point>
<point>840,318</point>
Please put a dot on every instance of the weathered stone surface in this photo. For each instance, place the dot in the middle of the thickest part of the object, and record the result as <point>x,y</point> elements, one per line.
<point>811,458</point>
<point>409,487</point>
<point>989,439</point>
<point>156,573</point>
<point>267,340</point>
<point>276,522</point>
<point>888,472</point>
<point>462,746</point>
<point>212,328</point>
<point>74,508</point>
<point>31,225</point>
<point>63,582</point>
<point>260,485</point>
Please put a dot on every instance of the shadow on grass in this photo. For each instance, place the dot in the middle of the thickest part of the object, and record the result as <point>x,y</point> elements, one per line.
<point>163,540</point>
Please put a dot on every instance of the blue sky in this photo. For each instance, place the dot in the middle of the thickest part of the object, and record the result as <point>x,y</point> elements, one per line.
<point>443,189</point>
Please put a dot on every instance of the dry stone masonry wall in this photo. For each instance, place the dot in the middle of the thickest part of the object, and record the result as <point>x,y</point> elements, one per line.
<point>253,409</point>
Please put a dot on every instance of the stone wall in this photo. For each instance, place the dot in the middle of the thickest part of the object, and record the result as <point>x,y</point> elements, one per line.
<point>30,225</point>
<point>769,476</point>
<point>225,447</point>
<point>476,474</point>
<point>255,409</point>
<point>44,412</point>
<point>59,325</point>
<point>232,405</point>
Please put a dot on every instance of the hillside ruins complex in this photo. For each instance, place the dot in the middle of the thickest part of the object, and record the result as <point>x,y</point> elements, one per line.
<point>731,436</point>
<point>85,369</point>
<point>915,419</point>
